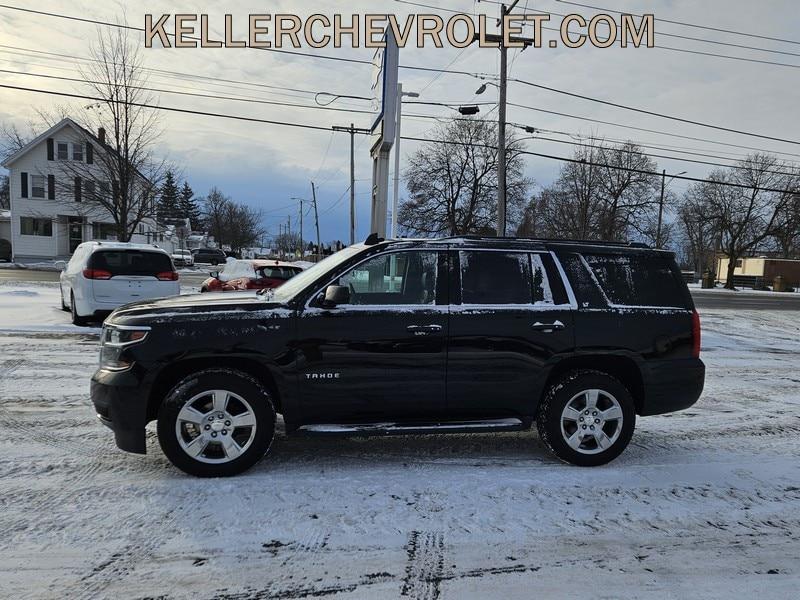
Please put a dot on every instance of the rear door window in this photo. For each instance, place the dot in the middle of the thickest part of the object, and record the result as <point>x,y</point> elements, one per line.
<point>637,280</point>
<point>130,262</point>
<point>495,278</point>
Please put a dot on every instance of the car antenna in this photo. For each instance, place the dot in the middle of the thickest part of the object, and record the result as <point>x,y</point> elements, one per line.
<point>373,239</point>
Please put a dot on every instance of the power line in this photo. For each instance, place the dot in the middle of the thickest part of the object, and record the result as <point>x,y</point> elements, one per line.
<point>695,25</point>
<point>656,131</point>
<point>407,138</point>
<point>653,113</point>
<point>194,38</point>
<point>672,35</point>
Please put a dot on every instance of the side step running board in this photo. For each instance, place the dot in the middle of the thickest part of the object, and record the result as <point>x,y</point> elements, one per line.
<point>511,424</point>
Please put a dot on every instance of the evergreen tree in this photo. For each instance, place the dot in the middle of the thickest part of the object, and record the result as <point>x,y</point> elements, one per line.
<point>168,203</point>
<point>189,208</point>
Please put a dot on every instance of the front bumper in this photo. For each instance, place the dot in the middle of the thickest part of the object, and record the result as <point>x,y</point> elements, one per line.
<point>121,405</point>
<point>672,385</point>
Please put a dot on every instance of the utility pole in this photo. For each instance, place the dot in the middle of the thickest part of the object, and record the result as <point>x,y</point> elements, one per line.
<point>316,219</point>
<point>661,208</point>
<point>501,129</point>
<point>500,40</point>
<point>352,130</point>
<point>302,252</point>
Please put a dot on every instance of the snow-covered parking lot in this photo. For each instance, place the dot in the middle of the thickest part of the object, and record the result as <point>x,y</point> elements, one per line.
<point>703,504</point>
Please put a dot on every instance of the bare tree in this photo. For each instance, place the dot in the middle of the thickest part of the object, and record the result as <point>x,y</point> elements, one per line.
<point>5,200</point>
<point>453,181</point>
<point>786,228</point>
<point>234,225</point>
<point>744,204</point>
<point>607,192</point>
<point>286,243</point>
<point>124,173</point>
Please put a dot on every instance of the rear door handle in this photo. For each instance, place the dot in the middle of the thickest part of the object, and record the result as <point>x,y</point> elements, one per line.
<point>548,327</point>
<point>423,329</point>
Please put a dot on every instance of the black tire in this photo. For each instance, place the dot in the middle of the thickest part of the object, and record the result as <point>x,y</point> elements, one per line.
<point>549,424</point>
<point>76,318</point>
<point>214,262</point>
<point>231,380</point>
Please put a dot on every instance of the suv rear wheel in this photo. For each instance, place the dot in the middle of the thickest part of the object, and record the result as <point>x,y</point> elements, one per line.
<point>216,423</point>
<point>587,418</point>
<point>76,318</point>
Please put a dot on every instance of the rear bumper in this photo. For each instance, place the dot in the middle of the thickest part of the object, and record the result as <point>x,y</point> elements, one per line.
<point>672,385</point>
<point>121,405</point>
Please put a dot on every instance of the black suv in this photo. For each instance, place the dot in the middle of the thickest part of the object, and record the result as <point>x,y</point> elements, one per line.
<point>213,256</point>
<point>410,336</point>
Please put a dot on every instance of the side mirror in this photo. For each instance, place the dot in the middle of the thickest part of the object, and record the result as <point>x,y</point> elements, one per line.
<point>214,274</point>
<point>60,265</point>
<point>335,295</point>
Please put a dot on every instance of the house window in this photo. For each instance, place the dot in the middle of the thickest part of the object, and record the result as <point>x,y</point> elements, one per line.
<point>77,152</point>
<point>141,228</point>
<point>739,263</point>
<point>62,151</point>
<point>88,189</point>
<point>104,231</point>
<point>38,183</point>
<point>32,226</point>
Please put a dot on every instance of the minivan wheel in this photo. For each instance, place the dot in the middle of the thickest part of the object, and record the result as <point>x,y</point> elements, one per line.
<point>76,318</point>
<point>216,423</point>
<point>587,418</point>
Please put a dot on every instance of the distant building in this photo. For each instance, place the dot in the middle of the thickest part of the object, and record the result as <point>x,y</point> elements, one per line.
<point>48,217</point>
<point>762,268</point>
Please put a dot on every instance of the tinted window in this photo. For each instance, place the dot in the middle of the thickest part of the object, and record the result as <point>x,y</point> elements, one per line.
<point>130,262</point>
<point>278,272</point>
<point>637,280</point>
<point>496,278</point>
<point>395,278</point>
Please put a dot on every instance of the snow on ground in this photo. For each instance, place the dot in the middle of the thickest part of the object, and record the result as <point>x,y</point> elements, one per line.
<point>703,504</point>
<point>36,307</point>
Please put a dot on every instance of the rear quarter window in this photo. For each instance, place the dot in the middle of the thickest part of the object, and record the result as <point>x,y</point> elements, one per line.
<point>637,280</point>
<point>130,262</point>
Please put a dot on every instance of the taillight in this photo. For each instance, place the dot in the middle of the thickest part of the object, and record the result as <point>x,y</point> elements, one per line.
<point>96,274</point>
<point>695,334</point>
<point>167,276</point>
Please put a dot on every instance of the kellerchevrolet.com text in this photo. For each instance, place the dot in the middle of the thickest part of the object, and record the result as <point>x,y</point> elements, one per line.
<point>368,31</point>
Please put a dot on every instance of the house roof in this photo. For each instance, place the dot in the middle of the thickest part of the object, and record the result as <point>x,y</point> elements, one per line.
<point>65,122</point>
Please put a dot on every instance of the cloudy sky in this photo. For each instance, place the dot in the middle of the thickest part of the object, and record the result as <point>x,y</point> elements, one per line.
<point>267,165</point>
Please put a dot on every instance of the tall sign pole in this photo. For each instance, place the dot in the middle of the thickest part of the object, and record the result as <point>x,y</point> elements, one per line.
<point>316,218</point>
<point>387,64</point>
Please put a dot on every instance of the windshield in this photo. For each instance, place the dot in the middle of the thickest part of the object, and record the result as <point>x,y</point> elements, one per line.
<point>302,280</point>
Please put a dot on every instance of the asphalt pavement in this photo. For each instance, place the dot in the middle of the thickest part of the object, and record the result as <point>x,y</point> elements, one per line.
<point>707,299</point>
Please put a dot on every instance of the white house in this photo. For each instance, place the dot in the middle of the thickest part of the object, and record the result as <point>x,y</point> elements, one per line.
<point>49,212</point>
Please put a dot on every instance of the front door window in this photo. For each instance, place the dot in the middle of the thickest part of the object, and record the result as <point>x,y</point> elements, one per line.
<point>399,278</point>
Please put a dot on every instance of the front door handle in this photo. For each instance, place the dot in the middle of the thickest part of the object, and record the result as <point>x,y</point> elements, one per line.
<point>423,329</point>
<point>548,327</point>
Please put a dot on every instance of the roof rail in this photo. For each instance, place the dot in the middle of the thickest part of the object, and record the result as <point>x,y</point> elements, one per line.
<point>551,240</point>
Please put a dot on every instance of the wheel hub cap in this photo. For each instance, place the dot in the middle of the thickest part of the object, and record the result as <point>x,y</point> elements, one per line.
<point>216,426</point>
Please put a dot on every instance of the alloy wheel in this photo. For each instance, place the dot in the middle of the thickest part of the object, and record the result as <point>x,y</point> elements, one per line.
<point>591,421</point>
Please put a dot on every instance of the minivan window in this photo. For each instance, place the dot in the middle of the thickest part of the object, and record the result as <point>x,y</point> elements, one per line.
<point>496,278</point>
<point>393,278</point>
<point>130,262</point>
<point>637,280</point>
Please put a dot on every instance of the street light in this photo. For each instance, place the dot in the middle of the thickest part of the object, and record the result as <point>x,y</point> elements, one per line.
<point>661,202</point>
<point>400,95</point>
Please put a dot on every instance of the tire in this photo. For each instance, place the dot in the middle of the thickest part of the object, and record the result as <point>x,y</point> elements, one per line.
<point>191,447</point>
<point>577,442</point>
<point>76,318</point>
<point>214,262</point>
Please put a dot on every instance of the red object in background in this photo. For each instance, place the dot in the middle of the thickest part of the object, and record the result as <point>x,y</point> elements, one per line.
<point>268,274</point>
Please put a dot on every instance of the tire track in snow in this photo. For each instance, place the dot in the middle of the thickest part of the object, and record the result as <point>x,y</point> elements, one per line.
<point>424,566</point>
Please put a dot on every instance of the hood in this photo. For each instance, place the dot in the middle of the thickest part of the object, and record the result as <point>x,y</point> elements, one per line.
<point>206,305</point>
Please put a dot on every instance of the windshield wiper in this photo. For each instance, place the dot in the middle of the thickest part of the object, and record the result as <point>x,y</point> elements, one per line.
<point>268,293</point>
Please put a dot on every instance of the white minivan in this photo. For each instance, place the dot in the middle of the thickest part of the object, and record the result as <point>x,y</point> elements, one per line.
<point>102,276</point>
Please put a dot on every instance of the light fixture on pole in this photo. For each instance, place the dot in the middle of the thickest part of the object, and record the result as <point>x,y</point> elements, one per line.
<point>400,95</point>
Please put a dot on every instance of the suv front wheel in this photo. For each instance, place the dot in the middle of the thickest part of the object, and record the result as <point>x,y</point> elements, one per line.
<point>587,418</point>
<point>216,423</point>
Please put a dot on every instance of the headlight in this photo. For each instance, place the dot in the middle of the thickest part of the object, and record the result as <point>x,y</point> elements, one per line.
<point>114,340</point>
